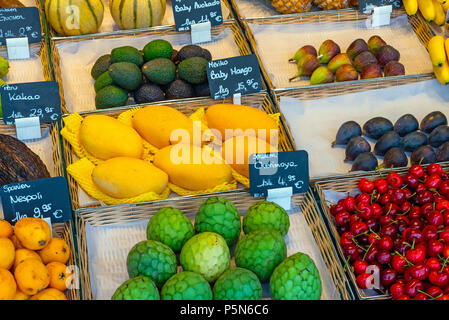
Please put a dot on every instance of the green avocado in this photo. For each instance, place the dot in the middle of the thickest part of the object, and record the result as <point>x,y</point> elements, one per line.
<point>110,97</point>
<point>193,70</point>
<point>126,75</point>
<point>103,81</point>
<point>157,49</point>
<point>127,54</point>
<point>160,71</point>
<point>100,66</point>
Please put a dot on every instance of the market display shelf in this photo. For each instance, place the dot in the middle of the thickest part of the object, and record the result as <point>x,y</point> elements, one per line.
<point>103,268</point>
<point>75,56</point>
<point>336,25</point>
<point>187,106</point>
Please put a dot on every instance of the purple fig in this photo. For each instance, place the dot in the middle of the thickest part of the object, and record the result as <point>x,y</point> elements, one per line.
<point>386,54</point>
<point>306,65</point>
<point>371,71</point>
<point>356,47</point>
<point>364,59</point>
<point>302,51</point>
<point>339,60</point>
<point>375,43</point>
<point>346,73</point>
<point>321,75</point>
<point>327,51</point>
<point>394,68</point>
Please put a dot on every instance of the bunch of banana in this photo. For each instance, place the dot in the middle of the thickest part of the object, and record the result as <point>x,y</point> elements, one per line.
<point>431,10</point>
<point>439,54</point>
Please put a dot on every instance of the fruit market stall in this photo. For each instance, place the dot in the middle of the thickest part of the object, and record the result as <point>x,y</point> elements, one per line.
<point>114,245</point>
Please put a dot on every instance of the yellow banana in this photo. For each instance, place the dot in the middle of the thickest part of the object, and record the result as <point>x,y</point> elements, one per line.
<point>445,6</point>
<point>437,51</point>
<point>411,6</point>
<point>440,16</point>
<point>442,73</point>
<point>441,1</point>
<point>446,47</point>
<point>427,9</point>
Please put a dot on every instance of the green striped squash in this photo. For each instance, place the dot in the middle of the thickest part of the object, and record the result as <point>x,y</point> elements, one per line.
<point>74,17</point>
<point>135,14</point>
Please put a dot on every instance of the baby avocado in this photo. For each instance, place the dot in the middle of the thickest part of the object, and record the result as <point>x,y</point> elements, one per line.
<point>179,89</point>
<point>127,54</point>
<point>193,70</point>
<point>347,130</point>
<point>432,120</point>
<point>102,81</point>
<point>160,71</point>
<point>202,90</point>
<point>356,146</point>
<point>377,127</point>
<point>149,92</point>
<point>414,140</point>
<point>395,158</point>
<point>406,124</point>
<point>111,96</point>
<point>193,50</point>
<point>423,155</point>
<point>389,140</point>
<point>126,75</point>
<point>442,153</point>
<point>439,135</point>
<point>365,161</point>
<point>101,66</point>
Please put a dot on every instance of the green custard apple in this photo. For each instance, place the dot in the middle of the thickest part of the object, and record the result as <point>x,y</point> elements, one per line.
<point>186,285</point>
<point>238,284</point>
<point>261,251</point>
<point>207,254</point>
<point>138,288</point>
<point>296,278</point>
<point>266,215</point>
<point>171,227</point>
<point>152,259</point>
<point>219,215</point>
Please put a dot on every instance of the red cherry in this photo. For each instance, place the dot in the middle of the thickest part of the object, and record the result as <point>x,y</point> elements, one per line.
<point>430,232</point>
<point>376,210</point>
<point>446,217</point>
<point>351,251</point>
<point>394,180</point>
<point>442,205</point>
<point>406,207</point>
<point>366,186</point>
<point>443,297</point>
<point>415,213</point>
<point>411,181</point>
<point>391,209</point>
<point>446,252</point>
<point>398,197</point>
<point>421,296</point>
<point>349,204</point>
<point>404,297</point>
<point>364,210</point>
<point>397,290</point>
<point>360,266</point>
<point>406,275</point>
<point>434,247</point>
<point>384,199</point>
<point>437,278</point>
<point>388,277</point>
<point>434,291</point>
<point>385,243</point>
<point>412,234</point>
<point>412,287</point>
<point>371,224</point>
<point>346,238</point>
<point>444,235</point>
<point>443,188</point>
<point>398,263</point>
<point>389,230</point>
<point>435,218</point>
<point>433,181</point>
<point>358,227</point>
<point>434,168</point>
<point>342,218</point>
<point>363,197</point>
<point>416,224</point>
<point>416,171</point>
<point>365,280</point>
<point>373,238</point>
<point>383,257</point>
<point>381,185</point>
<point>419,271</point>
<point>371,254</point>
<point>400,245</point>
<point>423,197</point>
<point>386,220</point>
<point>418,254</point>
<point>433,264</point>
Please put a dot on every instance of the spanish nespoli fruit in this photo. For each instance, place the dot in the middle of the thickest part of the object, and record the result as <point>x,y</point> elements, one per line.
<point>377,127</point>
<point>347,130</point>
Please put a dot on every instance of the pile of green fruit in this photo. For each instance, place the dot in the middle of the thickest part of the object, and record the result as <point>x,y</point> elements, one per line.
<point>427,141</point>
<point>371,59</point>
<point>205,256</point>
<point>128,76</point>
<point>4,69</point>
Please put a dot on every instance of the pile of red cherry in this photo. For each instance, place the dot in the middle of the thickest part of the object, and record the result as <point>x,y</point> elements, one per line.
<point>401,226</point>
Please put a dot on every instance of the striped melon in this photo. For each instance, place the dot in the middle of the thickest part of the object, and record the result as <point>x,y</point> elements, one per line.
<point>74,17</point>
<point>135,14</point>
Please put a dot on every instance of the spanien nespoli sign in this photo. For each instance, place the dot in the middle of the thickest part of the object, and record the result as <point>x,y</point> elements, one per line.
<point>20,23</point>
<point>188,12</point>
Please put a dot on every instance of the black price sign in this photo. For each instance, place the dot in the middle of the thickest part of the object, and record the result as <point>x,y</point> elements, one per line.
<point>35,99</point>
<point>365,5</point>
<point>188,12</point>
<point>278,170</point>
<point>20,23</point>
<point>234,75</point>
<point>43,198</point>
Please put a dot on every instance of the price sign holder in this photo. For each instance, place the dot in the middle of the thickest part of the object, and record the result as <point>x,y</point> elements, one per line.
<point>42,198</point>
<point>279,175</point>
<point>26,105</point>
<point>380,9</point>
<point>19,27</point>
<point>201,32</point>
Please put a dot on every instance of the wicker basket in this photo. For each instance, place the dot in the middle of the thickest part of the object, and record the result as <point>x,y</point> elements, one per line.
<point>111,216</point>
<point>344,185</point>
<point>419,25</point>
<point>237,32</point>
<point>187,106</point>
<point>60,230</point>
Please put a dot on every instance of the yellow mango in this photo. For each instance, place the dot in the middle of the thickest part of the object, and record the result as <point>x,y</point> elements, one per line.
<point>124,177</point>
<point>156,124</point>
<point>192,168</point>
<point>105,137</point>
<point>236,152</point>
<point>244,120</point>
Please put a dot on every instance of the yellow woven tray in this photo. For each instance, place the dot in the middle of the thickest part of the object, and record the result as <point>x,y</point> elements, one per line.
<point>81,171</point>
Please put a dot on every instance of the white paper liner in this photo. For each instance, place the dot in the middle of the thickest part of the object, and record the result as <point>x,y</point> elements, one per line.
<point>314,123</point>
<point>77,59</point>
<point>108,248</point>
<point>290,37</point>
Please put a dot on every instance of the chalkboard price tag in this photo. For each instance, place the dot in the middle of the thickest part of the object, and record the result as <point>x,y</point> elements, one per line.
<point>34,99</point>
<point>278,170</point>
<point>188,12</point>
<point>20,23</point>
<point>367,5</point>
<point>234,75</point>
<point>43,198</point>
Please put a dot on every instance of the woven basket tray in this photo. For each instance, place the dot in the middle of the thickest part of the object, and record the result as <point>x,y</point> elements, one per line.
<point>187,106</point>
<point>119,216</point>
<point>344,185</point>
<point>240,47</point>
<point>421,28</point>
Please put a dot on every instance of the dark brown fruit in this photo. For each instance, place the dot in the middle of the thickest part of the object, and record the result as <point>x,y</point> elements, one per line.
<point>389,140</point>
<point>365,161</point>
<point>386,54</point>
<point>375,43</point>
<point>432,120</point>
<point>347,130</point>
<point>364,59</point>
<point>371,71</point>
<point>356,146</point>
<point>395,158</point>
<point>377,127</point>
<point>346,73</point>
<point>356,47</point>
<point>394,68</point>
<point>423,155</point>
